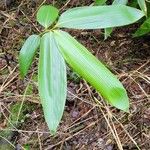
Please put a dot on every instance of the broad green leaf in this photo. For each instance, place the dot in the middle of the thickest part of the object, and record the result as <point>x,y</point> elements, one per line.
<point>96,17</point>
<point>108,31</point>
<point>92,70</point>
<point>144,29</point>
<point>27,53</point>
<point>117,2</point>
<point>46,15</point>
<point>100,2</point>
<point>52,81</point>
<point>142,5</point>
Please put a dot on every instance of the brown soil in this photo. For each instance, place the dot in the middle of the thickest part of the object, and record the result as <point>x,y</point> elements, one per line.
<point>86,123</point>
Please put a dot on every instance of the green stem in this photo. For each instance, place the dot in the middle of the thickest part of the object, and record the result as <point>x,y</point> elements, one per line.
<point>48,30</point>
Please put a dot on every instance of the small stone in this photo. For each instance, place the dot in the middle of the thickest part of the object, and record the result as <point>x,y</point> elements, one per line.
<point>18,147</point>
<point>75,114</point>
<point>109,147</point>
<point>112,43</point>
<point>100,143</point>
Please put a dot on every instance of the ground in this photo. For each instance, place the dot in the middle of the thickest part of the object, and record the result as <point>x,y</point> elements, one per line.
<point>88,123</point>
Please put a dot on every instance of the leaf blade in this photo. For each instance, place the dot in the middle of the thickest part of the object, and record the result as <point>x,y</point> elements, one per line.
<point>46,15</point>
<point>100,2</point>
<point>143,29</point>
<point>94,71</point>
<point>108,31</point>
<point>27,53</point>
<point>52,81</point>
<point>96,17</point>
<point>142,5</point>
<point>117,2</point>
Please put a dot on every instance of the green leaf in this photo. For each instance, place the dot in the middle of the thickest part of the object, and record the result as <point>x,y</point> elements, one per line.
<point>92,70</point>
<point>108,31</point>
<point>52,81</point>
<point>100,2</point>
<point>122,2</point>
<point>46,15</point>
<point>148,9</point>
<point>142,5</point>
<point>27,53</point>
<point>133,3</point>
<point>144,29</point>
<point>96,17</point>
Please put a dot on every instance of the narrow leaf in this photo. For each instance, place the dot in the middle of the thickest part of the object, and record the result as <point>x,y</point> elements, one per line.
<point>108,31</point>
<point>133,3</point>
<point>95,17</point>
<point>143,29</point>
<point>52,81</point>
<point>46,15</point>
<point>27,53</point>
<point>117,2</point>
<point>100,2</point>
<point>142,5</point>
<point>92,70</point>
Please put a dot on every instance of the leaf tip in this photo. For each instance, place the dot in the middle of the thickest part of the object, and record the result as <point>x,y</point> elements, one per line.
<point>126,110</point>
<point>119,98</point>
